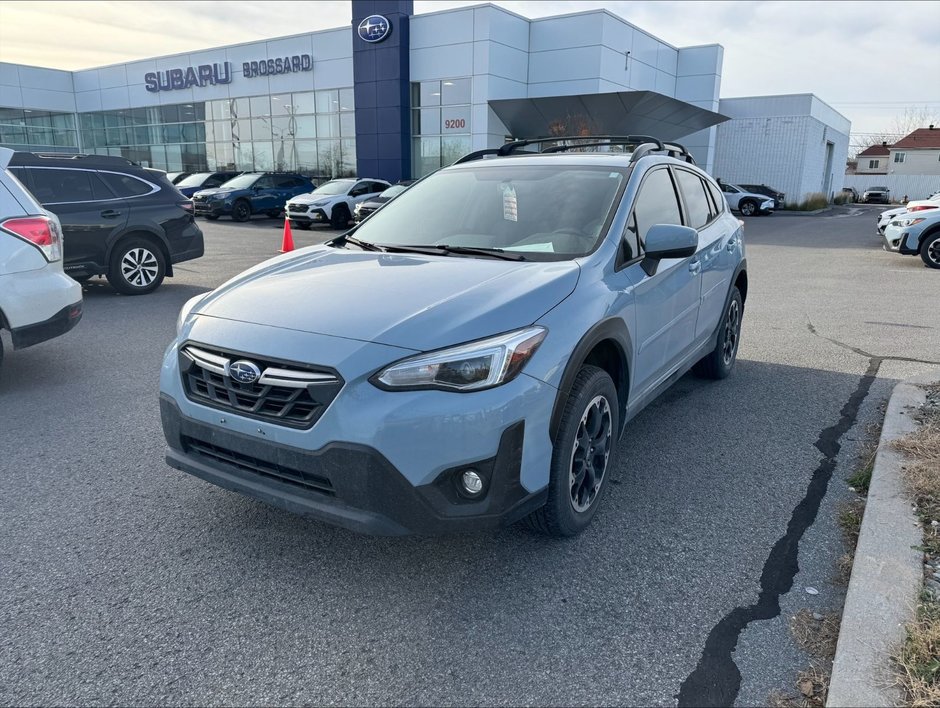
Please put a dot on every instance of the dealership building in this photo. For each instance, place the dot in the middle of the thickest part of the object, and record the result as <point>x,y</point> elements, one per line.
<point>396,95</point>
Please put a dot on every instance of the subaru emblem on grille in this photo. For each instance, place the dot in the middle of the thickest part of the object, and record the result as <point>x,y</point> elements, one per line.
<point>244,371</point>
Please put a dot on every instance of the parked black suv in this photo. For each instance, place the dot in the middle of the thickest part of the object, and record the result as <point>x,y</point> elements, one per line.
<point>119,220</point>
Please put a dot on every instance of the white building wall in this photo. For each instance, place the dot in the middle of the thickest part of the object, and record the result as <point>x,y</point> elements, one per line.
<point>757,145</point>
<point>916,162</point>
<point>36,88</point>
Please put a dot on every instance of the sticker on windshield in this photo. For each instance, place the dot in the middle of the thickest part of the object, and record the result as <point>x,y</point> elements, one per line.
<point>510,204</point>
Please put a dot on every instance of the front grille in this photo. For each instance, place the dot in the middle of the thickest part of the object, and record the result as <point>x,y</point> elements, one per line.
<point>200,199</point>
<point>297,207</point>
<point>365,212</point>
<point>253,465</point>
<point>290,394</point>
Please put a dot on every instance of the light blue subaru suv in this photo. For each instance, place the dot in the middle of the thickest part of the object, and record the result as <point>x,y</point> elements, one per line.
<point>469,355</point>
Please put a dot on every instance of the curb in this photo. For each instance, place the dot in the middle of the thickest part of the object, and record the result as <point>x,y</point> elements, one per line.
<point>792,212</point>
<point>887,574</point>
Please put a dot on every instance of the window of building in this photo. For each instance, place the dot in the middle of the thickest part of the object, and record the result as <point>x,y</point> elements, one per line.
<point>39,131</point>
<point>440,123</point>
<point>872,164</point>
<point>899,157</point>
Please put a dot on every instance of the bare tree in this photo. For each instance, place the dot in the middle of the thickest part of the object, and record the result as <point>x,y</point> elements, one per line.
<point>903,124</point>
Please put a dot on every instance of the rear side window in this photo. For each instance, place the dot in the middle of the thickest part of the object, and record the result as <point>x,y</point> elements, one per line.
<point>717,197</point>
<point>378,187</point>
<point>53,186</point>
<point>696,201</point>
<point>656,203</point>
<point>287,182</point>
<point>125,185</point>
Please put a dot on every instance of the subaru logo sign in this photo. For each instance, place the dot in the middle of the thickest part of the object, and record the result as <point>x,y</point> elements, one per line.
<point>374,28</point>
<point>244,371</point>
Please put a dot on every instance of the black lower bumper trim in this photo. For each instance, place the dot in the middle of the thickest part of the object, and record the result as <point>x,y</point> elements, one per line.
<point>353,486</point>
<point>60,323</point>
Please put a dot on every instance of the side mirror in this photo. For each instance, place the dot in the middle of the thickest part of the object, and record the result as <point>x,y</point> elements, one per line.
<point>668,241</point>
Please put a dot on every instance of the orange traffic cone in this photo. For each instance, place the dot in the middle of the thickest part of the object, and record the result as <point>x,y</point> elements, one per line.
<point>287,244</point>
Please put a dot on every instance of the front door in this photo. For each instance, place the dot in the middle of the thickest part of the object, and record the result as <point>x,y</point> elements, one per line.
<point>667,302</point>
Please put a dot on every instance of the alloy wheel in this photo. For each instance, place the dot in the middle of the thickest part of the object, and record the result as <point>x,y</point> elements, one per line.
<point>933,252</point>
<point>732,332</point>
<point>139,267</point>
<point>590,454</point>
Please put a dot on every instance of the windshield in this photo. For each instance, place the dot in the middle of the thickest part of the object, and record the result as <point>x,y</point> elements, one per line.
<point>877,189</point>
<point>242,181</point>
<point>194,180</point>
<point>337,186</point>
<point>547,212</point>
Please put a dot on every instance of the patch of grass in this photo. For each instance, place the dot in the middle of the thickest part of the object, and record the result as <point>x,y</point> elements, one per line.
<point>811,202</point>
<point>860,480</point>
<point>919,659</point>
<point>817,637</point>
<point>812,685</point>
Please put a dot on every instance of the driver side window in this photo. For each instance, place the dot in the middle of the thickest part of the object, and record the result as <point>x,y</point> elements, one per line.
<point>656,203</point>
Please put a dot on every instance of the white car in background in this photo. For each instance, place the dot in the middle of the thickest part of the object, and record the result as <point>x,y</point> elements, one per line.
<point>332,202</point>
<point>38,301</point>
<point>748,203</point>
<point>931,202</point>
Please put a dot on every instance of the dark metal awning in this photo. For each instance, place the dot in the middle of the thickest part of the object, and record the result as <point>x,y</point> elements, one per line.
<point>621,113</point>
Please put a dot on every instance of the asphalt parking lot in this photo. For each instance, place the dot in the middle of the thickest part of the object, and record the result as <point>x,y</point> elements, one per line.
<point>125,582</point>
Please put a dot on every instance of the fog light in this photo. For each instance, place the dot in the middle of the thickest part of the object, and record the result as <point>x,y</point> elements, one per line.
<point>472,483</point>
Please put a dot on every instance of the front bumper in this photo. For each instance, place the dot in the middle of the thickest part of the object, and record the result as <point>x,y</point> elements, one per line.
<point>316,216</point>
<point>211,208</point>
<point>899,241</point>
<point>350,485</point>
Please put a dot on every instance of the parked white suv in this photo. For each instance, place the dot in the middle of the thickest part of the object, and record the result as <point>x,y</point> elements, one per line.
<point>332,202</point>
<point>932,202</point>
<point>748,203</point>
<point>38,301</point>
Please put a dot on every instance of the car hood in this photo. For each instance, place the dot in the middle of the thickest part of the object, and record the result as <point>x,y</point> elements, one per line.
<point>217,190</point>
<point>311,198</point>
<point>411,301</point>
<point>891,212</point>
<point>375,203</point>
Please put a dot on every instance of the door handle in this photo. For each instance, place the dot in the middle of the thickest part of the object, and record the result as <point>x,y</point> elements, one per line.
<point>110,213</point>
<point>694,267</point>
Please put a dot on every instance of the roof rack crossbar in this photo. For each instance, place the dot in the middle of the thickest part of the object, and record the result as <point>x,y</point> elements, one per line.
<point>645,145</point>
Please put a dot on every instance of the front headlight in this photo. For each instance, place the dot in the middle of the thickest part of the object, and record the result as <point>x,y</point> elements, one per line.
<point>322,202</point>
<point>186,309</point>
<point>908,222</point>
<point>469,367</point>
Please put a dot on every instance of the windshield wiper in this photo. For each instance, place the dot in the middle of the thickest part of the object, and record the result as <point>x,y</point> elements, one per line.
<point>435,249</point>
<point>364,245</point>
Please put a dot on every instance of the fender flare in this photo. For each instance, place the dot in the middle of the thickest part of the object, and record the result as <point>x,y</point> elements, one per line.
<point>614,329</point>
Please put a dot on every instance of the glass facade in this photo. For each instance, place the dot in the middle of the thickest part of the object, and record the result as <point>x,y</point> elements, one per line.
<point>38,131</point>
<point>440,123</point>
<point>313,133</point>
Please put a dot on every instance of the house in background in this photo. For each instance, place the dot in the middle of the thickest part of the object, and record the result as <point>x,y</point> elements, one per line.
<point>873,160</point>
<point>916,154</point>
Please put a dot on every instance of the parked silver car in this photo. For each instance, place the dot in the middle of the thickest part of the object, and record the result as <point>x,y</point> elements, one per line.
<point>38,301</point>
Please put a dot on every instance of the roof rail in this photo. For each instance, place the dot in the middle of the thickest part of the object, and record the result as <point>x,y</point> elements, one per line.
<point>645,144</point>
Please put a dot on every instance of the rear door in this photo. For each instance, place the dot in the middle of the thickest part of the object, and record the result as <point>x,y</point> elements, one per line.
<point>89,211</point>
<point>667,302</point>
<point>713,237</point>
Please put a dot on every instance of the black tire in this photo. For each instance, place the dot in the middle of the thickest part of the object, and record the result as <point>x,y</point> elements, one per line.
<point>573,496</point>
<point>241,210</point>
<point>719,363</point>
<point>339,219</point>
<point>212,217</point>
<point>137,266</point>
<point>302,225</point>
<point>930,250</point>
<point>747,207</point>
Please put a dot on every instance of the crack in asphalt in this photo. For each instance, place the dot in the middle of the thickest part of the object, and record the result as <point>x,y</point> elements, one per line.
<point>716,679</point>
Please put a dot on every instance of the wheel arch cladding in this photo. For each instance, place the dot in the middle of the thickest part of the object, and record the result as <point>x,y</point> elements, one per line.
<point>606,345</point>
<point>154,238</point>
<point>740,282</point>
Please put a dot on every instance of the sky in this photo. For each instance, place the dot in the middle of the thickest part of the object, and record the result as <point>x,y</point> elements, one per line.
<point>871,61</point>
